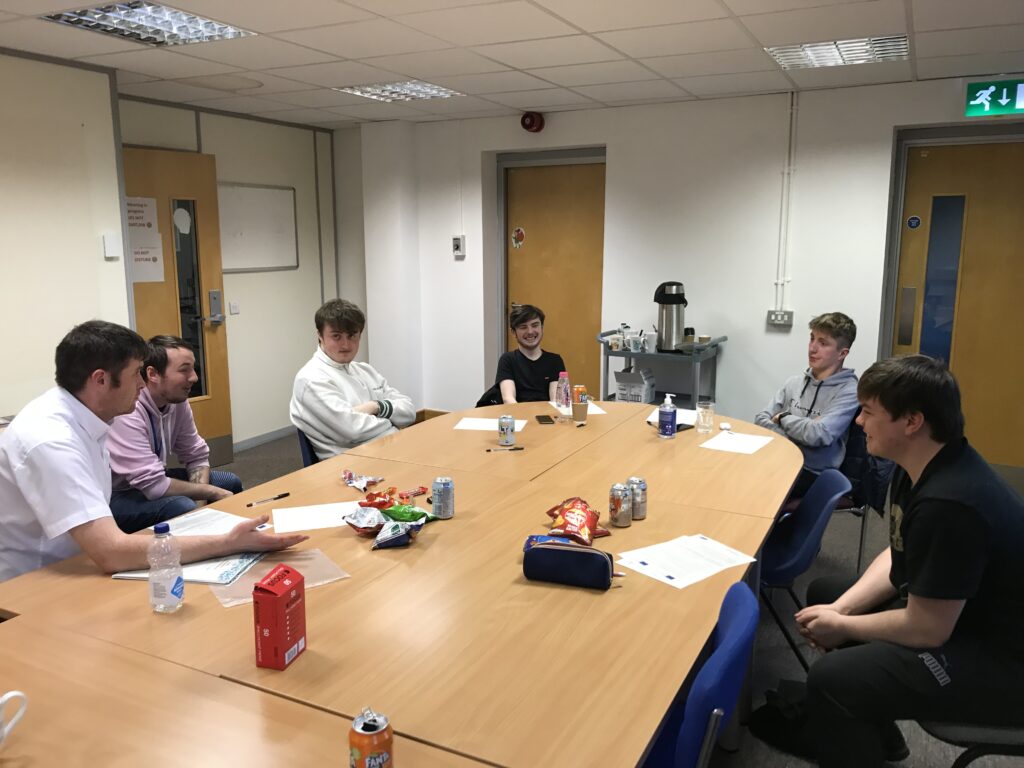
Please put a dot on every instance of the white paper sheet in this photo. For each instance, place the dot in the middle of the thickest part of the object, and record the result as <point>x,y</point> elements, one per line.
<point>205,521</point>
<point>683,561</point>
<point>486,425</point>
<point>683,416</point>
<point>222,570</point>
<point>592,409</point>
<point>734,442</point>
<point>292,519</point>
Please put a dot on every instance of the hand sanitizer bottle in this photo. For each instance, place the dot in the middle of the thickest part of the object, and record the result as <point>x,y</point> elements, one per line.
<point>667,418</point>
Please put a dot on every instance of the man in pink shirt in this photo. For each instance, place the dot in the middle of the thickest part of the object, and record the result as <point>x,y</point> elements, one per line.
<point>145,491</point>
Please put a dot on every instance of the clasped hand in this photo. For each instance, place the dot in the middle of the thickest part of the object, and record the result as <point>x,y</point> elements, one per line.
<point>823,626</point>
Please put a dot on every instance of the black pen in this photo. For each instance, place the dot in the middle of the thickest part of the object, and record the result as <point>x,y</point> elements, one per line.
<point>581,425</point>
<point>516,448</point>
<point>272,498</point>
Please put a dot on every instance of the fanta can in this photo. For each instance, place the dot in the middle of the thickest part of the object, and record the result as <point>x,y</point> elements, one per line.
<point>371,741</point>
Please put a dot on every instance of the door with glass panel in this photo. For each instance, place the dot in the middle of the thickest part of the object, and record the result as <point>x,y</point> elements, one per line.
<point>961,268</point>
<point>176,278</point>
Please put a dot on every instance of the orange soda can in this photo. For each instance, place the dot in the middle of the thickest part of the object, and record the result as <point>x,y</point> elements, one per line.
<point>371,741</point>
<point>579,394</point>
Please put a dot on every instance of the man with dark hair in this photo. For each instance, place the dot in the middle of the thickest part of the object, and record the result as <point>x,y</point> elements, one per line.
<point>337,402</point>
<point>528,373</point>
<point>54,473</point>
<point>145,491</point>
<point>815,408</point>
<point>938,615</point>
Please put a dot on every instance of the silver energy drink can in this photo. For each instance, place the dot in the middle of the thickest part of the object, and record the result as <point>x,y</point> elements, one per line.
<point>442,498</point>
<point>506,431</point>
<point>620,505</point>
<point>639,487</point>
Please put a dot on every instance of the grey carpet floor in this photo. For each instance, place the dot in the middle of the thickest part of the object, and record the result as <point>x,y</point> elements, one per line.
<point>773,659</point>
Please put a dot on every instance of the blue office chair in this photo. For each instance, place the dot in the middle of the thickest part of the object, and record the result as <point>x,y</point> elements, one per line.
<point>794,543</point>
<point>715,690</point>
<point>309,457</point>
<point>980,740</point>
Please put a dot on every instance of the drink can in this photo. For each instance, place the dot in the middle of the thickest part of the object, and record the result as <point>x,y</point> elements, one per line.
<point>371,741</point>
<point>639,487</point>
<point>506,430</point>
<point>442,498</point>
<point>620,505</point>
<point>579,394</point>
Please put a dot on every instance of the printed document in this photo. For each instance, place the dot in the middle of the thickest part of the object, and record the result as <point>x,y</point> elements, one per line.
<point>683,561</point>
<point>734,442</point>
<point>486,425</point>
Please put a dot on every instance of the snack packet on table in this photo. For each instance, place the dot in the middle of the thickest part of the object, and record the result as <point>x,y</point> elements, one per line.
<point>359,482</point>
<point>569,512</point>
<point>394,534</point>
<point>381,499</point>
<point>409,513</point>
<point>366,520</point>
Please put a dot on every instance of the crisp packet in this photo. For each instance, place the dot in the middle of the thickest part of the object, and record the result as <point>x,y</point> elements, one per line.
<point>409,513</point>
<point>577,522</point>
<point>394,534</point>
<point>365,520</point>
<point>575,502</point>
<point>539,538</point>
<point>381,499</point>
<point>359,482</point>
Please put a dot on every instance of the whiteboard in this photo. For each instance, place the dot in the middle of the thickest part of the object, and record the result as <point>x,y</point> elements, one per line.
<point>257,227</point>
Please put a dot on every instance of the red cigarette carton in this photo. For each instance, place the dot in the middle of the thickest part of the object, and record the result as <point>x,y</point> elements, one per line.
<point>279,616</point>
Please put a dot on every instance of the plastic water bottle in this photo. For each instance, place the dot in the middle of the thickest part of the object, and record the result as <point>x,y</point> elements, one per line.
<point>667,418</point>
<point>166,585</point>
<point>563,395</point>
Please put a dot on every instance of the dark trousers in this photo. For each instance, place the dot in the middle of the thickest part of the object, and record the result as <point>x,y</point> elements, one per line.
<point>133,511</point>
<point>854,692</point>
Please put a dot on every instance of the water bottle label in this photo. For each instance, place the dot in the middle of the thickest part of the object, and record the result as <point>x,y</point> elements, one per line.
<point>667,423</point>
<point>178,590</point>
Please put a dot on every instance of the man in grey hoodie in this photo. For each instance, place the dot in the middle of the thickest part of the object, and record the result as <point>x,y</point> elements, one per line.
<point>815,408</point>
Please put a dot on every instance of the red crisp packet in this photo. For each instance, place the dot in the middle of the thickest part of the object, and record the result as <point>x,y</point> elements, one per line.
<point>381,499</point>
<point>576,520</point>
<point>553,512</point>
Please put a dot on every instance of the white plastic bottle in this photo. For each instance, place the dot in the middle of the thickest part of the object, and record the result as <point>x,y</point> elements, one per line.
<point>166,585</point>
<point>563,392</point>
<point>667,418</point>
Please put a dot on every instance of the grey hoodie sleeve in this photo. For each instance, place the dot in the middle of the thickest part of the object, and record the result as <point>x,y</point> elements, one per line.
<point>764,418</point>
<point>831,425</point>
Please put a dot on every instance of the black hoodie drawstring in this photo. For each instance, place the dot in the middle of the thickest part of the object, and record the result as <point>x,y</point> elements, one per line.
<point>814,400</point>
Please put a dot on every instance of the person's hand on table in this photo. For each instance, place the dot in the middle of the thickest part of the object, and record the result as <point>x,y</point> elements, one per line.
<point>245,537</point>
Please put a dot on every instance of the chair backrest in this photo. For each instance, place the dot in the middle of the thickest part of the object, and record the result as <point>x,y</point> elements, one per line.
<point>717,685</point>
<point>309,456</point>
<point>868,475</point>
<point>794,543</point>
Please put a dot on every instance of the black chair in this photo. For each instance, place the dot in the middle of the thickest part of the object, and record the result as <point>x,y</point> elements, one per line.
<point>869,480</point>
<point>794,543</point>
<point>491,397</point>
<point>309,457</point>
<point>980,740</point>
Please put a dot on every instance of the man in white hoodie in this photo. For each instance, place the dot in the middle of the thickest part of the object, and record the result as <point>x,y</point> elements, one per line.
<point>339,403</point>
<point>815,408</point>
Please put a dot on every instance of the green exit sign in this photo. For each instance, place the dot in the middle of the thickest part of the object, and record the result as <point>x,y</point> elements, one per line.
<point>1000,97</point>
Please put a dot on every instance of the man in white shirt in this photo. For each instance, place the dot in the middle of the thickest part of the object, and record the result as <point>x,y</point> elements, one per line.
<point>55,470</point>
<point>339,403</point>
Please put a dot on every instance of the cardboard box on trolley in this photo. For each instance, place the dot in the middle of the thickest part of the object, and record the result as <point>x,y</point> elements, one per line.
<point>279,617</point>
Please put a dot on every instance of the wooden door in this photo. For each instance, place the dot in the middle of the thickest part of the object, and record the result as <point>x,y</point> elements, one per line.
<point>554,257</point>
<point>182,187</point>
<point>961,268</point>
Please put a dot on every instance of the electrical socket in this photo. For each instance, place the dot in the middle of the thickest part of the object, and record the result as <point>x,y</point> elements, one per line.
<point>781,318</point>
<point>459,247</point>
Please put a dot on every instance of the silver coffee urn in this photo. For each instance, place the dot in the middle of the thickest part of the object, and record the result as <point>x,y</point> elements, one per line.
<point>671,300</point>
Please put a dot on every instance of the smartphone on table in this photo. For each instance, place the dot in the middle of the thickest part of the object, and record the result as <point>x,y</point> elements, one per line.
<point>543,418</point>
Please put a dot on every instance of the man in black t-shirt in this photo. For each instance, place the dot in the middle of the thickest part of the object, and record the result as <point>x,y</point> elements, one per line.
<point>528,374</point>
<point>934,629</point>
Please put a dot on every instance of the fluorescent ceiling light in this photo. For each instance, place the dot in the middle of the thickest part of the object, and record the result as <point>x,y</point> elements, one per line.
<point>410,90</point>
<point>148,23</point>
<point>865,50</point>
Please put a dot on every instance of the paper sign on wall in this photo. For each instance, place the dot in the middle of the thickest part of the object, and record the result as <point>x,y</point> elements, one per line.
<point>144,240</point>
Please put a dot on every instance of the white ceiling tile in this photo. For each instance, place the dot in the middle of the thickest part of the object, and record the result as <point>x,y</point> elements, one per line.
<point>713,63</point>
<point>4,16</point>
<point>60,40</point>
<point>257,52</point>
<point>953,14</point>
<point>451,105</point>
<point>160,63</point>
<point>965,41</point>
<point>483,24</point>
<point>299,115</point>
<point>683,96</point>
<point>833,22</point>
<point>378,110</point>
<point>378,37</point>
<point>550,52</point>
<point>320,98</point>
<point>391,8</point>
<point>744,7</point>
<point>492,82</point>
<point>334,125</point>
<point>602,15</point>
<point>259,83</point>
<point>268,16</point>
<point>168,90</point>
<point>336,74</point>
<point>428,64</point>
<point>230,83</point>
<point>124,77</point>
<point>969,66</point>
<point>37,7</point>
<point>742,82</point>
<point>856,74</point>
<point>552,97</point>
<point>251,104</point>
<point>495,111</point>
<point>696,37</point>
<point>618,92</point>
<point>591,74</point>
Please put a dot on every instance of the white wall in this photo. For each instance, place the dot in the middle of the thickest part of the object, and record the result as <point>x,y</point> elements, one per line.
<point>693,193</point>
<point>58,195</point>
<point>351,273</point>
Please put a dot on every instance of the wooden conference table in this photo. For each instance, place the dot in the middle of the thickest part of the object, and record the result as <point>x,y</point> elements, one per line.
<point>447,637</point>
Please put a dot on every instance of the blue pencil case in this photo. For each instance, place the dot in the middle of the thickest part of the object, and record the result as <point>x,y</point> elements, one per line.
<point>571,564</point>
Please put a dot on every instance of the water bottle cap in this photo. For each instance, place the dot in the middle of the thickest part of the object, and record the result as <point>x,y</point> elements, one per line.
<point>563,374</point>
<point>161,528</point>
